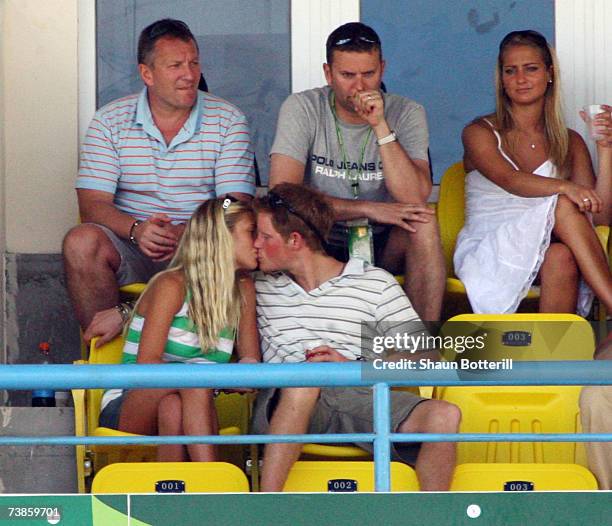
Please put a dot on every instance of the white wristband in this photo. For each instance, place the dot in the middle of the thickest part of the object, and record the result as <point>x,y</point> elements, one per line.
<point>389,138</point>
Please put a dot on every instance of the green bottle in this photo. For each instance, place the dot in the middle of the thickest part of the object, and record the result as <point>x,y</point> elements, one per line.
<point>360,241</point>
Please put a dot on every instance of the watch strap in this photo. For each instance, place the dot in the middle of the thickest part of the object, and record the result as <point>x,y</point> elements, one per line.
<point>387,139</point>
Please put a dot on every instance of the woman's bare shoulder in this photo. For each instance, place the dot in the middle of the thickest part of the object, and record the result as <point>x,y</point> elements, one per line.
<point>481,126</point>
<point>169,281</point>
<point>479,133</point>
<point>167,287</point>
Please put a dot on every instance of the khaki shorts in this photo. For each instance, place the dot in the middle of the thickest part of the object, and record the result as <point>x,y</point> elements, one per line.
<point>346,410</point>
<point>135,267</point>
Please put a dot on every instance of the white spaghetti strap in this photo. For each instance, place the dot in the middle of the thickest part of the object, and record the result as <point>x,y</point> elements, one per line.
<point>499,144</point>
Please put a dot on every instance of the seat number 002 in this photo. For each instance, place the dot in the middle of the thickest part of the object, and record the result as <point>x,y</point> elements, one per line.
<point>341,485</point>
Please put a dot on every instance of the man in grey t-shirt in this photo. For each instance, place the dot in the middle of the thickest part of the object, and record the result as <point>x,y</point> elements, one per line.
<point>367,151</point>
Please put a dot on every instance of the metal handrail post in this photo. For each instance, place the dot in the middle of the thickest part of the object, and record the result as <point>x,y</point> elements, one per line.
<point>382,440</point>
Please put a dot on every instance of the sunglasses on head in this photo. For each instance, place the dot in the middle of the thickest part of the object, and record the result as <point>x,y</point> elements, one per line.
<point>354,40</point>
<point>276,201</point>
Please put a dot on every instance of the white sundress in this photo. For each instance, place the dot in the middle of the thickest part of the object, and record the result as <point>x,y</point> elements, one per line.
<point>503,242</point>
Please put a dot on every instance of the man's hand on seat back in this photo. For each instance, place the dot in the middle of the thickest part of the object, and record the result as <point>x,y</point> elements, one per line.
<point>106,324</point>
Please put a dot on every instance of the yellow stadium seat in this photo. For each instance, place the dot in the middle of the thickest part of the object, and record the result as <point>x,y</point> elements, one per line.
<point>346,477</point>
<point>522,477</point>
<point>450,212</point>
<point>132,290</point>
<point>81,452</point>
<point>528,336</point>
<point>517,409</point>
<point>102,455</point>
<point>129,292</point>
<point>332,451</point>
<point>233,413</point>
<point>170,477</point>
<point>603,232</point>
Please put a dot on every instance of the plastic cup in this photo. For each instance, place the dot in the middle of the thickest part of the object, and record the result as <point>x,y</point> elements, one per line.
<point>591,112</point>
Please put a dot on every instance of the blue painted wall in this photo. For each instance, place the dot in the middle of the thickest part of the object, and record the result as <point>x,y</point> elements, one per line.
<point>442,54</point>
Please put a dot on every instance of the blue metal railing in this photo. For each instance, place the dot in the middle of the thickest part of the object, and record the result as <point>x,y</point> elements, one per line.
<point>304,375</point>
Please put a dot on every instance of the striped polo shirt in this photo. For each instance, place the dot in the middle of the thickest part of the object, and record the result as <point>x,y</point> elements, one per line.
<point>182,346</point>
<point>125,154</point>
<point>345,312</point>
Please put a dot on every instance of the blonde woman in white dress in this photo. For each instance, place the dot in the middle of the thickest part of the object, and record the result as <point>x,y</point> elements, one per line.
<point>531,192</point>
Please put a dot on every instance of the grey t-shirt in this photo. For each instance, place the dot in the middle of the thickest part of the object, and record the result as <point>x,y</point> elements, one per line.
<point>306,132</point>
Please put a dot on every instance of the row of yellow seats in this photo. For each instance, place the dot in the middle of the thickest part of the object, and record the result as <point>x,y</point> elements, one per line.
<point>521,337</point>
<point>485,409</point>
<point>220,477</point>
<point>502,409</point>
<point>233,411</point>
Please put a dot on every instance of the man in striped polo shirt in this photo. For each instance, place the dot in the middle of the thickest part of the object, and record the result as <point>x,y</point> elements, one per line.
<point>148,160</point>
<point>312,307</point>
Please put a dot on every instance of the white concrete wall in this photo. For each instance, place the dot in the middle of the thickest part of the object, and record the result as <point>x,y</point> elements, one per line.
<point>87,64</point>
<point>584,46</point>
<point>39,44</point>
<point>2,170</point>
<point>311,23</point>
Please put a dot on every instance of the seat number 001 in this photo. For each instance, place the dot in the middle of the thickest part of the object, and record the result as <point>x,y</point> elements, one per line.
<point>170,486</point>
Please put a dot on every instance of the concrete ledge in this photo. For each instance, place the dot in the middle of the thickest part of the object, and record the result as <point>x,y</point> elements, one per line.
<point>37,469</point>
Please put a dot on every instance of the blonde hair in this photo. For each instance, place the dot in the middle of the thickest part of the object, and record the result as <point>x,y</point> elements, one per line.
<point>554,124</point>
<point>205,256</point>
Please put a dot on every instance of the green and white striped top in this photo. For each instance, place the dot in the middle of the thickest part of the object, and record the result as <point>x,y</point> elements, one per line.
<point>182,346</point>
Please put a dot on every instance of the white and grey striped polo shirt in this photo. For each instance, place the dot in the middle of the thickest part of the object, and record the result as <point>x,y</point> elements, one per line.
<point>292,320</point>
<point>125,154</point>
